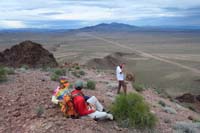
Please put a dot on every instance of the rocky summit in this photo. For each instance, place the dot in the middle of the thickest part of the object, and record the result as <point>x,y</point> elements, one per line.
<point>27,53</point>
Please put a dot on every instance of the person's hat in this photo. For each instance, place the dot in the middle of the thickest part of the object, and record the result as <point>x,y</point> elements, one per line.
<point>78,85</point>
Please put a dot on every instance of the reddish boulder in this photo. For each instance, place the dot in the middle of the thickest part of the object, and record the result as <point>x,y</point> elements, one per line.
<point>187,98</point>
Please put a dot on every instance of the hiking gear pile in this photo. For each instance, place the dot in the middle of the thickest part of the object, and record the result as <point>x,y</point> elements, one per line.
<point>62,96</point>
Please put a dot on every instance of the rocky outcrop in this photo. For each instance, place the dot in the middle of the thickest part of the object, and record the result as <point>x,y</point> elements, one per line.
<point>108,62</point>
<point>27,53</point>
<point>188,98</point>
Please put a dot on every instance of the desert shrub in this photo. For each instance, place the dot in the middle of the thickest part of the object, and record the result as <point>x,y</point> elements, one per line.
<point>9,70</point>
<point>46,69</point>
<point>39,111</point>
<point>26,67</point>
<point>196,120</point>
<point>192,108</point>
<point>76,74</point>
<point>91,84</point>
<point>138,87</point>
<point>3,74</point>
<point>162,103</point>
<point>82,73</point>
<point>56,73</point>
<point>59,71</point>
<point>55,77</point>
<point>132,111</point>
<point>77,67</point>
<point>158,91</point>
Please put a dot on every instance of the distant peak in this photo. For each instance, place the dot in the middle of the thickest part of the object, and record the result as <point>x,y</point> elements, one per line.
<point>110,27</point>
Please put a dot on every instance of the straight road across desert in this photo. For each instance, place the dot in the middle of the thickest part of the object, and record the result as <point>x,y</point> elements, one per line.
<point>194,70</point>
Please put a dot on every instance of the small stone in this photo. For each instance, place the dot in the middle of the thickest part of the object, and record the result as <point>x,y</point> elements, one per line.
<point>23,104</point>
<point>169,110</point>
<point>117,128</point>
<point>179,107</point>
<point>110,94</point>
<point>191,118</point>
<point>42,80</point>
<point>46,106</point>
<point>153,112</point>
<point>17,114</point>
<point>167,120</point>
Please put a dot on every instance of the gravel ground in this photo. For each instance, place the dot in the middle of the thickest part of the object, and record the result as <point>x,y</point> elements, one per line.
<point>26,91</point>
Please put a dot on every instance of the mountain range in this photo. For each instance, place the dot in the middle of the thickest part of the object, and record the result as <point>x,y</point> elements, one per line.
<point>111,27</point>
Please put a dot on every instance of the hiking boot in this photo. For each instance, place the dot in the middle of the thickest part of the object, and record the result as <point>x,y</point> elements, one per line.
<point>107,111</point>
<point>110,116</point>
<point>96,119</point>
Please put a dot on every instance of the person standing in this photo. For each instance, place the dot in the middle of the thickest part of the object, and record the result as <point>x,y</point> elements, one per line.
<point>121,77</point>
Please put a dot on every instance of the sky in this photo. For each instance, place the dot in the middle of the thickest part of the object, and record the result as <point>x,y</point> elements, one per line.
<point>72,14</point>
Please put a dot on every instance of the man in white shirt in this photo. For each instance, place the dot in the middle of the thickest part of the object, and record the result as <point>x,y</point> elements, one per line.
<point>120,77</point>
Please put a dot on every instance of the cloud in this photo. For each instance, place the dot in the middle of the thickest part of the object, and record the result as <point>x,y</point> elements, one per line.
<point>92,11</point>
<point>12,24</point>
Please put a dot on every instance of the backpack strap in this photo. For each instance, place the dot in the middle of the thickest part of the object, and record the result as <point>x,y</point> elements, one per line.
<point>77,94</point>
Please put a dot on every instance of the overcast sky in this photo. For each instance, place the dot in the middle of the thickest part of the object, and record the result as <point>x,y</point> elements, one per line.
<point>65,14</point>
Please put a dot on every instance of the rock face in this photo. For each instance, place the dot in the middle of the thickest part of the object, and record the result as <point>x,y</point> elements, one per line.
<point>108,62</point>
<point>187,98</point>
<point>27,53</point>
<point>192,99</point>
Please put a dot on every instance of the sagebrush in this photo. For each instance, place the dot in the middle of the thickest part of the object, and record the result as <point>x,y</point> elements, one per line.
<point>3,74</point>
<point>59,71</point>
<point>138,87</point>
<point>132,111</point>
<point>91,84</point>
<point>56,73</point>
<point>55,77</point>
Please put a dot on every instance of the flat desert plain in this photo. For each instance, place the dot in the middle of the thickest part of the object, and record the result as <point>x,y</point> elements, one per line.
<point>168,61</point>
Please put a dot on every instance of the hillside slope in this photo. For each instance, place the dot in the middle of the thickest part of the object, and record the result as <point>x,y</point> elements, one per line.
<point>27,91</point>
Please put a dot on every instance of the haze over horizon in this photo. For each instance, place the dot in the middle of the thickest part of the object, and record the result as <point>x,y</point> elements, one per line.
<point>72,14</point>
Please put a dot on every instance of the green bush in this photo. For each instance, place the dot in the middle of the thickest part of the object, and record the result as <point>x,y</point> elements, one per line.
<point>132,111</point>
<point>162,103</point>
<point>91,84</point>
<point>9,70</point>
<point>138,87</point>
<point>55,77</point>
<point>82,73</point>
<point>56,73</point>
<point>77,67</point>
<point>3,74</point>
<point>59,71</point>
<point>46,69</point>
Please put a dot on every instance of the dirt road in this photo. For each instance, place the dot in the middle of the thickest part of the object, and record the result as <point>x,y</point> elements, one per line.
<point>194,70</point>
